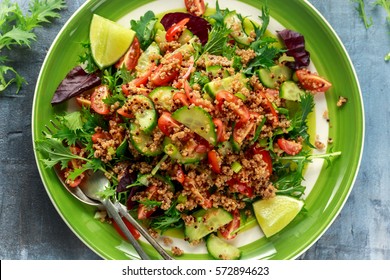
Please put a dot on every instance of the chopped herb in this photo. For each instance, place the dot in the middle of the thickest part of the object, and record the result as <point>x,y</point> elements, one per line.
<point>144,29</point>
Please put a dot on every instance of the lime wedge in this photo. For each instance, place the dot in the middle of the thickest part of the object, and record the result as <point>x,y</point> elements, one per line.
<point>109,40</point>
<point>276,213</point>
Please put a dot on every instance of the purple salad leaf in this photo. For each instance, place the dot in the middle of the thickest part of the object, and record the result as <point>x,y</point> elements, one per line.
<point>295,44</point>
<point>197,25</point>
<point>127,179</point>
<point>75,82</point>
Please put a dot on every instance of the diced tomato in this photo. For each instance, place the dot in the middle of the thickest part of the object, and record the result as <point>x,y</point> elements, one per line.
<point>238,186</point>
<point>97,104</point>
<point>167,71</point>
<point>144,211</point>
<point>195,7</point>
<point>131,228</point>
<point>270,108</point>
<point>241,111</point>
<point>228,231</point>
<point>215,161</point>
<point>74,183</point>
<point>99,135</point>
<point>312,81</point>
<point>257,150</point>
<point>290,147</point>
<point>221,130</point>
<point>182,98</point>
<point>138,81</point>
<point>167,124</point>
<point>175,30</point>
<point>130,58</point>
<point>241,131</point>
<point>178,173</point>
<point>196,99</point>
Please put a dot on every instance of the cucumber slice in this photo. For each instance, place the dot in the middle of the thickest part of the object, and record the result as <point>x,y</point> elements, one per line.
<point>220,249</point>
<point>185,36</point>
<point>146,115</point>
<point>289,90</point>
<point>163,96</point>
<point>225,84</point>
<point>143,142</point>
<point>199,121</point>
<point>147,58</point>
<point>173,152</point>
<point>233,22</point>
<point>207,221</point>
<point>274,76</point>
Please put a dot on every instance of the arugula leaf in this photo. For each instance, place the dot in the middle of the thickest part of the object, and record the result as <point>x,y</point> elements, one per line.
<point>16,28</point>
<point>144,29</point>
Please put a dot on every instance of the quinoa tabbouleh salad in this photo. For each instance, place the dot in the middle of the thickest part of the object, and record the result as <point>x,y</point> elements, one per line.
<point>199,124</point>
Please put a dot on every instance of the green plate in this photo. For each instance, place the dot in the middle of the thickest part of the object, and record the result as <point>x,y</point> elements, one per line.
<point>328,187</point>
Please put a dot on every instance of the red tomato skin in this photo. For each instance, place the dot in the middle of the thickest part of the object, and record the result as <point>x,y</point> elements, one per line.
<point>160,77</point>
<point>175,30</point>
<point>221,130</point>
<point>289,146</point>
<point>227,230</point>
<point>257,150</point>
<point>97,97</point>
<point>167,124</point>
<point>130,58</point>
<point>242,111</point>
<point>214,161</point>
<point>269,108</point>
<point>240,187</point>
<point>195,7</point>
<point>312,82</point>
<point>182,98</point>
<point>99,135</point>
<point>131,228</point>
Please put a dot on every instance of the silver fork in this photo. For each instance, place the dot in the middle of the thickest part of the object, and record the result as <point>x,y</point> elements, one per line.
<point>88,193</point>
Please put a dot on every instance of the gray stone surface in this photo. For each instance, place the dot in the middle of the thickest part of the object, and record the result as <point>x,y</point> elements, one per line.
<point>32,229</point>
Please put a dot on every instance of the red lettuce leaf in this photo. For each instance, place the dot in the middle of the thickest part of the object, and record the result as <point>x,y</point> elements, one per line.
<point>75,82</point>
<point>295,44</point>
<point>197,25</point>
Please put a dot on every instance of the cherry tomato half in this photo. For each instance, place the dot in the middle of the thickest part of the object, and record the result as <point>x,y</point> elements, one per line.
<point>241,111</point>
<point>289,146</point>
<point>215,161</point>
<point>130,58</point>
<point>131,228</point>
<point>97,104</point>
<point>167,71</point>
<point>312,81</point>
<point>257,150</point>
<point>167,124</point>
<point>195,7</point>
<point>175,30</point>
<point>228,230</point>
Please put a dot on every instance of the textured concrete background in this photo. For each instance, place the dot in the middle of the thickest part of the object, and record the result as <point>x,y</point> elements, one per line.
<point>32,229</point>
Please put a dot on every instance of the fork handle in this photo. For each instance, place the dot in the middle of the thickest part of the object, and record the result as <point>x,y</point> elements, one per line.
<point>113,212</point>
<point>123,211</point>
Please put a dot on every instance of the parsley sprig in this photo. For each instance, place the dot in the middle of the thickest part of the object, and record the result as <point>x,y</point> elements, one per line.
<point>17,29</point>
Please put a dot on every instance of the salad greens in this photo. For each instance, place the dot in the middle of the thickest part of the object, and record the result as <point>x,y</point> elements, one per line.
<point>17,29</point>
<point>197,130</point>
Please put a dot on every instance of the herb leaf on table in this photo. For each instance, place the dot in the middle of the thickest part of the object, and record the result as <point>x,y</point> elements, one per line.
<point>16,28</point>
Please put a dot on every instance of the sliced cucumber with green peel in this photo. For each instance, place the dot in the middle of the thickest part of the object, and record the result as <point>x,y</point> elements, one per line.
<point>224,84</point>
<point>147,58</point>
<point>274,76</point>
<point>143,142</point>
<point>220,249</point>
<point>146,114</point>
<point>198,120</point>
<point>185,36</point>
<point>289,90</point>
<point>163,96</point>
<point>206,221</point>
<point>174,153</point>
<point>233,22</point>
